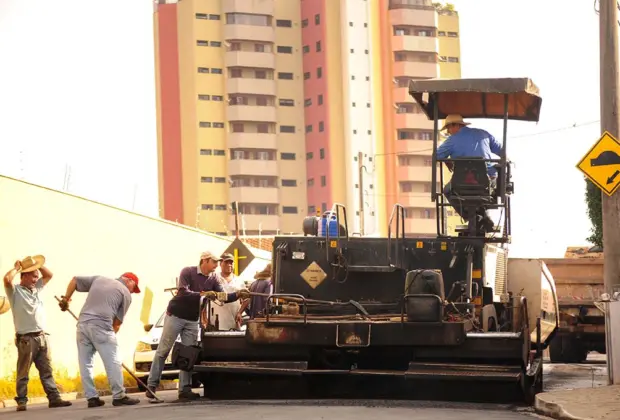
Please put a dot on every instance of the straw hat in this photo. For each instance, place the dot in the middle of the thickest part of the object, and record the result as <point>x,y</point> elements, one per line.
<point>453,119</point>
<point>265,274</point>
<point>32,263</point>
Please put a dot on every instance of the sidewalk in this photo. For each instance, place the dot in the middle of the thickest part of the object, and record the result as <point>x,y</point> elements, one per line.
<point>601,403</point>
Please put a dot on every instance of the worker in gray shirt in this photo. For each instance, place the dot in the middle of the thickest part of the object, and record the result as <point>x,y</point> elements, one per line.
<point>100,319</point>
<point>30,337</point>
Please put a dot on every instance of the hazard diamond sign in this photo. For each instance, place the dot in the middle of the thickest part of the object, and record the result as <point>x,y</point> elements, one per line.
<point>602,164</point>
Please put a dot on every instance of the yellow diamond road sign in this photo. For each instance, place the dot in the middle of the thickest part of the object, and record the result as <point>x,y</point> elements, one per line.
<point>313,275</point>
<point>602,164</point>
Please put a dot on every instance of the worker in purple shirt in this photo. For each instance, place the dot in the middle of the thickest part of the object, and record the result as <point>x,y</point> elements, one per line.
<point>182,317</point>
<point>467,142</point>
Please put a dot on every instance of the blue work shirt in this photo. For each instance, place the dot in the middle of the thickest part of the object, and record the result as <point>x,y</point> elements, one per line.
<point>471,142</point>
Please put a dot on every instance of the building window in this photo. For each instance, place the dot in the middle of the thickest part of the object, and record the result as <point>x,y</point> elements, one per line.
<point>320,99</point>
<point>289,210</point>
<point>221,207</point>
<point>204,97</point>
<point>321,126</point>
<point>318,46</point>
<point>308,102</point>
<point>207,206</point>
<point>202,16</point>
<point>287,156</point>
<point>319,72</point>
<point>259,48</point>
<point>260,74</point>
<point>202,43</point>
<point>311,209</point>
<point>214,17</point>
<point>306,49</point>
<point>284,23</point>
<point>206,179</point>
<point>248,19</point>
<point>220,180</point>
<point>306,75</point>
<point>205,152</point>
<point>309,128</point>
<point>286,102</point>
<point>217,98</point>
<point>237,128</point>
<point>262,128</point>
<point>453,59</point>
<point>218,125</point>
<point>441,33</point>
<point>204,124</point>
<point>285,50</point>
<point>323,180</point>
<point>289,182</point>
<point>322,153</point>
<point>216,71</point>
<point>309,155</point>
<point>311,182</point>
<point>352,50</point>
<point>304,23</point>
<point>203,70</point>
<point>323,207</point>
<point>219,152</point>
<point>285,76</point>
<point>287,129</point>
<point>453,34</point>
<point>317,19</point>
<point>216,44</point>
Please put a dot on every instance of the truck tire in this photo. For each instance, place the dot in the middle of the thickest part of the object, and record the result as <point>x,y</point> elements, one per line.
<point>566,349</point>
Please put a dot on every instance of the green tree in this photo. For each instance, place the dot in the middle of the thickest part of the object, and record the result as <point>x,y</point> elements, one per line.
<point>595,213</point>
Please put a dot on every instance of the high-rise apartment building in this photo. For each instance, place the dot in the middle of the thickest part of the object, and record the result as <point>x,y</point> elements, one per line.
<point>314,81</point>
<point>230,114</point>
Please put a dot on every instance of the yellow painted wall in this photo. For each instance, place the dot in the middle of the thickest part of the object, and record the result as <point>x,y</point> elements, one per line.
<point>82,237</point>
<point>449,47</point>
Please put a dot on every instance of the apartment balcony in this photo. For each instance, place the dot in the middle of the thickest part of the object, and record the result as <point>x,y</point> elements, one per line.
<point>401,95</point>
<point>251,113</point>
<point>254,7</point>
<point>234,32</point>
<point>413,120</point>
<point>416,69</point>
<point>252,141</point>
<point>418,200</point>
<point>415,147</point>
<point>250,59</point>
<point>415,173</point>
<point>429,44</point>
<point>255,195</point>
<point>420,226</point>
<point>256,221</point>
<point>251,86</point>
<point>253,167</point>
<point>414,17</point>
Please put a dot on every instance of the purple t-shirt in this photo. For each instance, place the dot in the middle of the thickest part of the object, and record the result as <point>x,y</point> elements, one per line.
<point>192,281</point>
<point>258,304</point>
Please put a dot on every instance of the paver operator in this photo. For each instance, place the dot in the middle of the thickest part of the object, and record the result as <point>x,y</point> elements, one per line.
<point>467,142</point>
<point>30,336</point>
<point>182,317</point>
<point>100,319</point>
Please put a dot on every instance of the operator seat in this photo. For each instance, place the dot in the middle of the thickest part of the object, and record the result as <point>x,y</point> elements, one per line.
<point>471,188</point>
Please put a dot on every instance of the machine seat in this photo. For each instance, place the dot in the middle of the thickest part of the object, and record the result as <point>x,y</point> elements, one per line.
<point>471,183</point>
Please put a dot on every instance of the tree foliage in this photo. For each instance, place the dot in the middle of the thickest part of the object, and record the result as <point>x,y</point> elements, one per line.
<point>594,200</point>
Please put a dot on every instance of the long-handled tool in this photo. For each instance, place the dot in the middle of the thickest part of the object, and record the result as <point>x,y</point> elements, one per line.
<point>156,400</point>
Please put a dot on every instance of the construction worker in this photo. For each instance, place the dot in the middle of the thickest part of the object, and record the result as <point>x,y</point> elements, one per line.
<point>30,337</point>
<point>182,318</point>
<point>100,319</point>
<point>467,142</point>
<point>257,304</point>
<point>226,314</point>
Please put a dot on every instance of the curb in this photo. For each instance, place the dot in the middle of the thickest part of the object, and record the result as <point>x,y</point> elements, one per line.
<point>72,396</point>
<point>554,410</point>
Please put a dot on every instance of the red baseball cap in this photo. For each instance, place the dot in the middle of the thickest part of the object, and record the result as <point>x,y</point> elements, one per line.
<point>132,276</point>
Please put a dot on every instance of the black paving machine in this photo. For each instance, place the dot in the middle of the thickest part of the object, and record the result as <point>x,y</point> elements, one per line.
<point>447,317</point>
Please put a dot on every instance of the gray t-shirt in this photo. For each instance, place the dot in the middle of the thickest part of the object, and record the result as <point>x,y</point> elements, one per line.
<point>107,299</point>
<point>27,307</point>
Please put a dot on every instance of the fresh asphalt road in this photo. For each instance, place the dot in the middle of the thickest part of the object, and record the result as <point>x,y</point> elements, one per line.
<point>557,376</point>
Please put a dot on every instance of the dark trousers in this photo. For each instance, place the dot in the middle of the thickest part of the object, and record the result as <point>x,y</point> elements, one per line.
<point>34,348</point>
<point>457,205</point>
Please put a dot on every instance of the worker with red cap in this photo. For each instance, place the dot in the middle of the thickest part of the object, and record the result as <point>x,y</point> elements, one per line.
<point>100,319</point>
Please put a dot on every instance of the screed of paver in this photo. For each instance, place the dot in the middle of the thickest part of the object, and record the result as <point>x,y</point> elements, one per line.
<point>602,403</point>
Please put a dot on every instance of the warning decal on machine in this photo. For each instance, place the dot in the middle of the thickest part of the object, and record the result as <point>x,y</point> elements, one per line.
<point>313,275</point>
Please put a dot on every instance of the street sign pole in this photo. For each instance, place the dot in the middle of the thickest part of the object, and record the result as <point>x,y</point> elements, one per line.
<point>610,122</point>
<point>236,260</point>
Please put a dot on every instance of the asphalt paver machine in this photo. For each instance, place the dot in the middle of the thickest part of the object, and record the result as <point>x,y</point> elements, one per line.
<point>448,317</point>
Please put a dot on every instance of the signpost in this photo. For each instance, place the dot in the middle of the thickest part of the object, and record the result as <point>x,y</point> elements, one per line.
<point>602,164</point>
<point>241,254</point>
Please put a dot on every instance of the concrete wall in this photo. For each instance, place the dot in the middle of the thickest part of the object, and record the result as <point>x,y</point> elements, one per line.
<point>82,237</point>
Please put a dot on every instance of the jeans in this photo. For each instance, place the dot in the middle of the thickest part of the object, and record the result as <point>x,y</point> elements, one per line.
<point>34,349</point>
<point>90,340</point>
<point>173,326</point>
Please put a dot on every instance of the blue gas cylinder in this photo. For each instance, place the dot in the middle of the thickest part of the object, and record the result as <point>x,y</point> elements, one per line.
<point>328,221</point>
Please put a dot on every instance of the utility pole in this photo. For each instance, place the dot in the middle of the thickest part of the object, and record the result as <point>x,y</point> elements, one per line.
<point>360,166</point>
<point>610,122</point>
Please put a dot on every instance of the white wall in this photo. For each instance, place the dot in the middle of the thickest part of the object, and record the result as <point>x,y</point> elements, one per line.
<point>82,237</point>
<point>356,36</point>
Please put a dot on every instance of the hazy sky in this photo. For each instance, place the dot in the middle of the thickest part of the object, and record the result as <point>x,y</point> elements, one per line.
<point>77,88</point>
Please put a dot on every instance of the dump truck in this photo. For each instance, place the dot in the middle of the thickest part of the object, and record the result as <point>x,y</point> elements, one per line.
<point>442,317</point>
<point>579,282</point>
